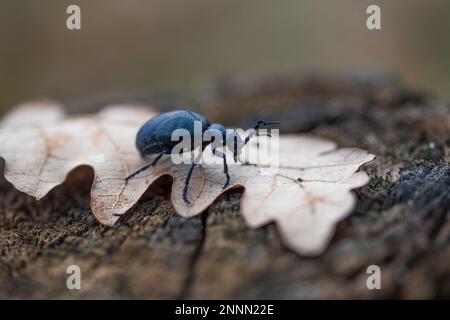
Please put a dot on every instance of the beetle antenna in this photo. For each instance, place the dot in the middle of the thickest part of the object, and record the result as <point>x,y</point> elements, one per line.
<point>257,127</point>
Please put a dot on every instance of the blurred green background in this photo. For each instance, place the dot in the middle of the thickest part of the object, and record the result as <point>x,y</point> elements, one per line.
<point>140,44</point>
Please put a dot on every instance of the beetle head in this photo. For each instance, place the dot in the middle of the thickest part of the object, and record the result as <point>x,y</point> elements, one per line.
<point>216,130</point>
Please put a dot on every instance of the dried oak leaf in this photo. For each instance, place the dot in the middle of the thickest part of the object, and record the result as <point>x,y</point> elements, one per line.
<point>305,196</point>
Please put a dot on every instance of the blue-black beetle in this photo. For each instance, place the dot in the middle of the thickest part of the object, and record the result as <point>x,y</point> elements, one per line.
<point>155,137</point>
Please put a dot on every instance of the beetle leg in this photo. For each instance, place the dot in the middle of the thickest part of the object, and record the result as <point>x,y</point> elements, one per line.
<point>144,167</point>
<point>225,166</point>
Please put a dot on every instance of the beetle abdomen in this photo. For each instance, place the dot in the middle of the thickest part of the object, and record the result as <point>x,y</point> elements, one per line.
<point>155,135</point>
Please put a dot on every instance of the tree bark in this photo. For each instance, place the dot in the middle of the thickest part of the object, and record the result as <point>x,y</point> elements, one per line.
<point>400,222</point>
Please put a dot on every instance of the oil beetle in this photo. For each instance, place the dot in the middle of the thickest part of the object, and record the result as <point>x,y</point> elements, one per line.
<point>155,137</point>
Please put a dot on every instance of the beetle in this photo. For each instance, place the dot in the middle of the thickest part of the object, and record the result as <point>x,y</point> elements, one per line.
<point>155,138</point>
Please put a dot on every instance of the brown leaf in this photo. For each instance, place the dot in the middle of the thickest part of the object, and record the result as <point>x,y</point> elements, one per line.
<point>306,196</point>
